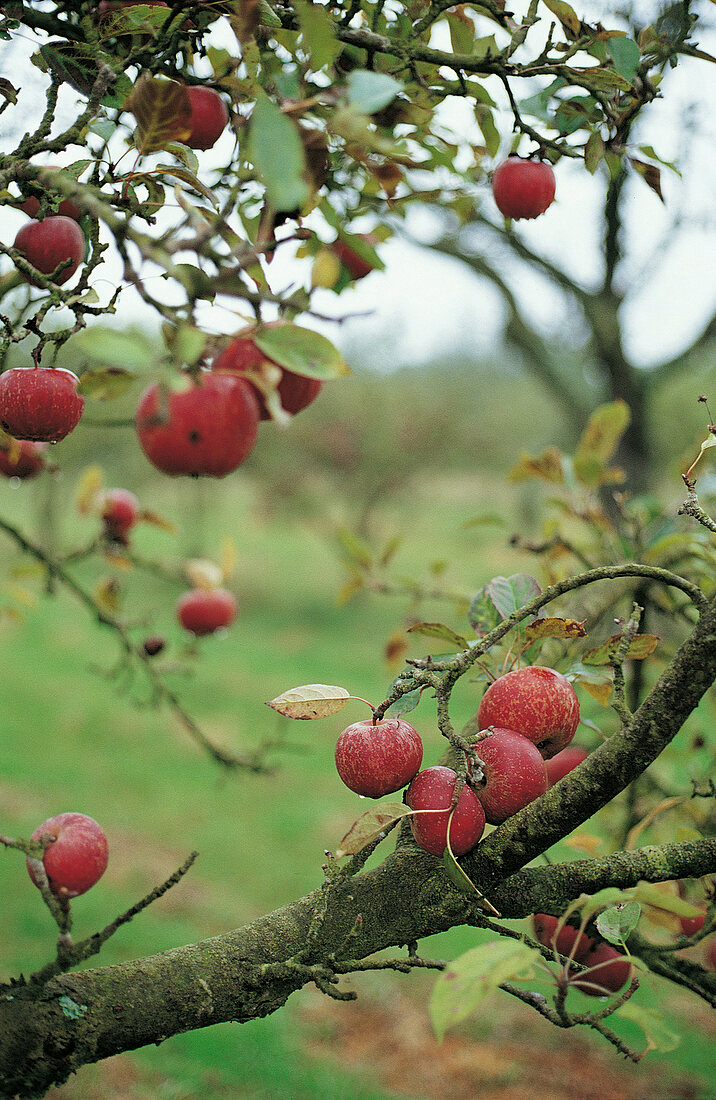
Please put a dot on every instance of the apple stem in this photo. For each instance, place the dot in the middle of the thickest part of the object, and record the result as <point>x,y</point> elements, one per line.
<point>360,699</point>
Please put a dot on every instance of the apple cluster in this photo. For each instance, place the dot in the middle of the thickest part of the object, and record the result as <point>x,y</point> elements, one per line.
<point>527,717</point>
<point>608,970</point>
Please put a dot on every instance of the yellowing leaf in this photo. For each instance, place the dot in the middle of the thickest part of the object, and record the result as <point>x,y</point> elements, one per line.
<point>228,557</point>
<point>553,627</point>
<point>88,489</point>
<point>585,842</point>
<point>469,979</point>
<point>640,647</point>
<point>163,112</point>
<point>649,894</point>
<point>108,595</point>
<point>566,15</point>
<point>439,630</point>
<point>310,701</point>
<point>369,826</point>
<point>547,466</point>
<point>203,573</point>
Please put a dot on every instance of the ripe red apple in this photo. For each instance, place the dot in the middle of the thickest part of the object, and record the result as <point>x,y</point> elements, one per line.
<point>52,241</point>
<point>207,430</point>
<point>609,972</point>
<point>120,512</point>
<point>203,611</point>
<point>76,858</point>
<point>21,458</point>
<point>523,188</point>
<point>66,209</point>
<point>432,789</point>
<point>564,762</point>
<point>209,117</point>
<point>568,941</point>
<point>537,702</point>
<point>514,774</point>
<point>295,391</point>
<point>356,266</point>
<point>691,925</point>
<point>378,759</point>
<point>40,403</point>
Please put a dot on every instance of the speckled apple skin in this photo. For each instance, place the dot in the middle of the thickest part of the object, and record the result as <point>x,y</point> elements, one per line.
<point>40,404</point>
<point>210,430</point>
<point>514,771</point>
<point>379,759</point>
<point>433,789</point>
<point>537,702</point>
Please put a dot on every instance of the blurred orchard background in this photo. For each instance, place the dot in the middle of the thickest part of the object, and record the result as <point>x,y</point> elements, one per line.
<point>408,459</point>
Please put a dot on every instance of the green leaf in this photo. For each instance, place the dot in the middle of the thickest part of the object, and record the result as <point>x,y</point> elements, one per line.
<point>472,977</point>
<point>593,152</point>
<point>617,924</point>
<point>369,92</point>
<point>355,548</point>
<point>601,80</point>
<point>566,15</point>
<point>405,704</point>
<point>186,342</point>
<point>510,593</point>
<point>626,56</point>
<point>105,384</point>
<point>186,176</point>
<point>317,34</point>
<point>462,30</point>
<point>301,350</point>
<point>276,151</point>
<point>486,122</point>
<point>439,630</point>
<point>113,346</point>
<point>650,894</point>
<point>651,1021</point>
<point>482,613</point>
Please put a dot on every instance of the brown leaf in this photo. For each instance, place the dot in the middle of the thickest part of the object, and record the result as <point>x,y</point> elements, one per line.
<point>547,466</point>
<point>552,627</point>
<point>650,174</point>
<point>640,647</point>
<point>162,110</point>
<point>369,826</point>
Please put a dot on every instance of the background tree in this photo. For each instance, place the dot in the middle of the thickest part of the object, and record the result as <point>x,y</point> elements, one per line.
<point>320,118</point>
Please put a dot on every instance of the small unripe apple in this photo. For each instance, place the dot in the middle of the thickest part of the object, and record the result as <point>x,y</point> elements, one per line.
<point>209,117</point>
<point>207,430</point>
<point>52,241</point>
<point>77,858</point>
<point>374,760</point>
<point>203,611</point>
<point>21,458</point>
<point>563,762</point>
<point>523,188</point>
<point>120,512</point>
<point>433,789</point>
<point>537,702</point>
<point>514,774</point>
<point>610,971</point>
<point>567,941</point>
<point>295,391</point>
<point>40,403</point>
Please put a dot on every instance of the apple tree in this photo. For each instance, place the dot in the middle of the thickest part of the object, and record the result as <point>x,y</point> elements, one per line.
<point>176,152</point>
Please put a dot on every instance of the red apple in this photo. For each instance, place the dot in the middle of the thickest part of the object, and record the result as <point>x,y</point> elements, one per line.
<point>523,188</point>
<point>514,774</point>
<point>209,117</point>
<point>76,858</point>
<point>207,430</point>
<point>54,240</point>
<point>21,458</point>
<point>120,512</point>
<point>537,702</point>
<point>40,403</point>
<point>564,762</point>
<point>567,941</point>
<point>432,789</point>
<point>691,925</point>
<point>378,759</point>
<point>609,971</point>
<point>356,266</point>
<point>66,209</point>
<point>203,611</point>
<point>295,391</point>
